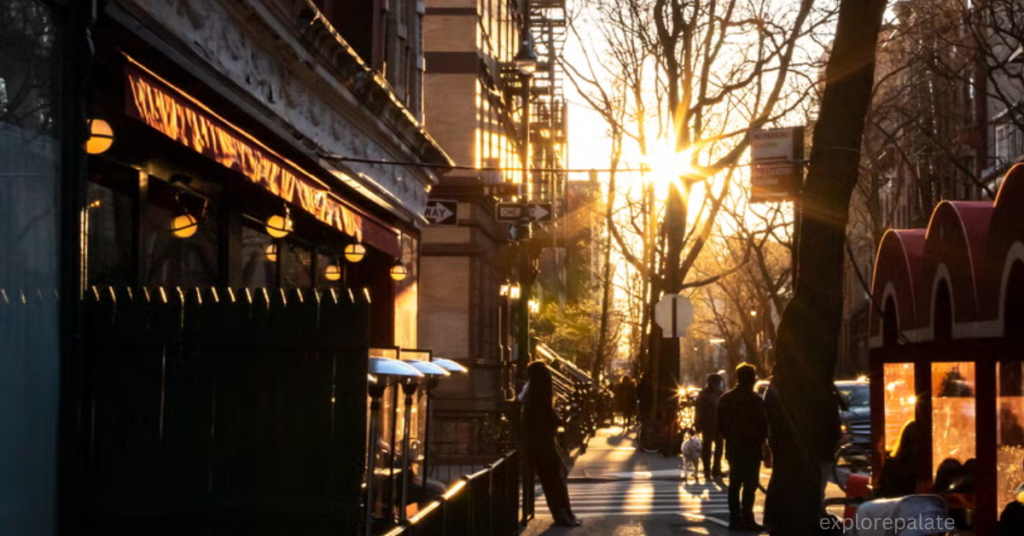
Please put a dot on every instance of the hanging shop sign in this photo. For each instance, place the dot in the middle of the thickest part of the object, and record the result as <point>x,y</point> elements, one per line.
<point>776,164</point>
<point>184,119</point>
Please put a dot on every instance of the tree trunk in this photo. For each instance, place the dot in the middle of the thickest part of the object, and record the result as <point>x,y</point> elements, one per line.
<point>675,231</point>
<point>809,331</point>
<point>602,344</point>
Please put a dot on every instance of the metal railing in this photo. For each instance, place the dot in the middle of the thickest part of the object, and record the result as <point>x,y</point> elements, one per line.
<point>465,442</point>
<point>485,502</point>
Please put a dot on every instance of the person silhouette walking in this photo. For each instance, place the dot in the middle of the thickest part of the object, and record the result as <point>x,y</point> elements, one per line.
<point>744,425</point>
<point>706,422</point>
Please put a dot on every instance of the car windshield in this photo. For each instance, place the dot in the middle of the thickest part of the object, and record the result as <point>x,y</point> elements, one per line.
<point>855,395</point>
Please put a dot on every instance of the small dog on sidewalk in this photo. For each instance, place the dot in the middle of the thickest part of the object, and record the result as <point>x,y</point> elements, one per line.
<point>691,455</point>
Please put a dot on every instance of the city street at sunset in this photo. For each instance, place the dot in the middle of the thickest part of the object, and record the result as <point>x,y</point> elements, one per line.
<point>511,267</point>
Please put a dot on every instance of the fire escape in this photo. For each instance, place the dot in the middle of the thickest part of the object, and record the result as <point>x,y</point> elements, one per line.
<point>547,112</point>
<point>547,125</point>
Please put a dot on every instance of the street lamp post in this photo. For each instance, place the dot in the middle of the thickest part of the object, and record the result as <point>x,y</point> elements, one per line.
<point>526,64</point>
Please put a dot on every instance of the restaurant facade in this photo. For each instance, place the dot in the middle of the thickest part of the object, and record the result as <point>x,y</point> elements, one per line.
<point>193,287</point>
<point>946,351</point>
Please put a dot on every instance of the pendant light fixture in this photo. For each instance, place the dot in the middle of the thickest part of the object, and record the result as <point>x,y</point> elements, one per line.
<point>333,271</point>
<point>398,271</point>
<point>101,137</point>
<point>184,225</point>
<point>272,253</point>
<point>355,252</point>
<point>280,226</point>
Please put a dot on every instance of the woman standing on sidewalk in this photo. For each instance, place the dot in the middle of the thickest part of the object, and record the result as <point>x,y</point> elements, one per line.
<point>540,426</point>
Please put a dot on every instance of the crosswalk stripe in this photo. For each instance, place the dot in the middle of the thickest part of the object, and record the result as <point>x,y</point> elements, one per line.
<point>645,497</point>
<point>720,513</point>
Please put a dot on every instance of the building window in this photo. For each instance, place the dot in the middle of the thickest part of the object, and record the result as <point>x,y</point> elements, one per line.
<point>1009,429</point>
<point>1009,144</point>
<point>259,258</point>
<point>900,401</point>
<point>170,261</point>
<point>296,266</point>
<point>953,412</point>
<point>109,239</point>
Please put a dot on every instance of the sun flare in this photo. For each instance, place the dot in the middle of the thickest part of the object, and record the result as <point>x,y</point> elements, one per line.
<point>666,166</point>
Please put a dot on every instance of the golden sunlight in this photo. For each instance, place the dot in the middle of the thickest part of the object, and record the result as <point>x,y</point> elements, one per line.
<point>666,166</point>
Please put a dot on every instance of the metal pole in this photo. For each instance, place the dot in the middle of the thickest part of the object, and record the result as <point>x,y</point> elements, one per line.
<point>525,191</point>
<point>525,266</point>
<point>523,359</point>
<point>409,389</point>
<point>391,455</point>
<point>426,434</point>
<point>370,453</point>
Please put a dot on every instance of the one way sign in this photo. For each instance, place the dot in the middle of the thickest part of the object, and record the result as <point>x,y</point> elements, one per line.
<point>442,212</point>
<point>512,212</point>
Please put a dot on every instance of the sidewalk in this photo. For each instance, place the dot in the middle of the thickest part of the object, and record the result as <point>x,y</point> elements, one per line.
<point>621,491</point>
<point>612,460</point>
<point>613,455</point>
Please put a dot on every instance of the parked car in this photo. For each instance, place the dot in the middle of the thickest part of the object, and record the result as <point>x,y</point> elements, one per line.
<point>855,446</point>
<point>856,417</point>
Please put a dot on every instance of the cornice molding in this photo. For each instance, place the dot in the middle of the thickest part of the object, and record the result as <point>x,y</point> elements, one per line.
<point>304,78</point>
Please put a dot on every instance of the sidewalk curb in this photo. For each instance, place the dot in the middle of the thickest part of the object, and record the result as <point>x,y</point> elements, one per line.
<point>600,479</point>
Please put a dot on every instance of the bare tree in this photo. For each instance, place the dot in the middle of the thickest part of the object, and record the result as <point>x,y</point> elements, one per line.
<point>744,305</point>
<point>809,331</point>
<point>720,68</point>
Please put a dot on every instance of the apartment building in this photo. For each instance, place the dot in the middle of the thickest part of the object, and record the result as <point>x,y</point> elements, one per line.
<point>492,121</point>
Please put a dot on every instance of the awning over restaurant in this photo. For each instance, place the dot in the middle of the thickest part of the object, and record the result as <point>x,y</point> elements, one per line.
<point>181,117</point>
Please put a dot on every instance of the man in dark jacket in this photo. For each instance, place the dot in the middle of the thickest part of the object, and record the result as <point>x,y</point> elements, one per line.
<point>706,422</point>
<point>643,398</point>
<point>743,424</point>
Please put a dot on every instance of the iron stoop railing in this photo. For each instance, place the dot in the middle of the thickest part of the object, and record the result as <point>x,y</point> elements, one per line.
<point>485,502</point>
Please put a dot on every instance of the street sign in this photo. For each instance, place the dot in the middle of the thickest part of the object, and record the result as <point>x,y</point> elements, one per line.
<point>775,144</point>
<point>774,183</point>
<point>673,313</point>
<point>776,159</point>
<point>535,212</point>
<point>442,212</point>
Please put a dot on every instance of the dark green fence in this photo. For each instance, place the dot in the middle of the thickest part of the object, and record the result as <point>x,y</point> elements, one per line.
<point>217,411</point>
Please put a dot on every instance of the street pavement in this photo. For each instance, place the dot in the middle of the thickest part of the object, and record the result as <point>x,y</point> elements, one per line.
<point>621,491</point>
